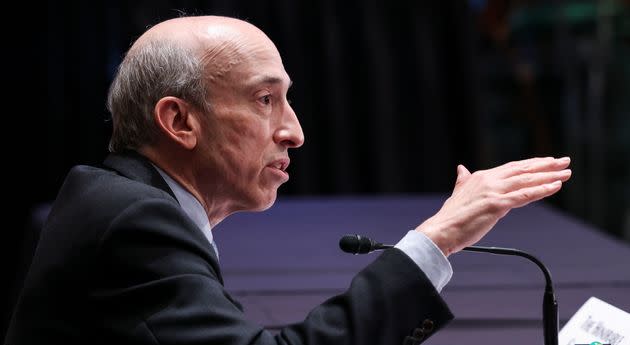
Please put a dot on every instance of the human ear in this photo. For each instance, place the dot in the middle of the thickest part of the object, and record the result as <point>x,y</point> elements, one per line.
<point>173,117</point>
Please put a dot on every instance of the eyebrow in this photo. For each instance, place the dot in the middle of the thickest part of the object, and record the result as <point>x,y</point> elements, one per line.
<point>268,80</point>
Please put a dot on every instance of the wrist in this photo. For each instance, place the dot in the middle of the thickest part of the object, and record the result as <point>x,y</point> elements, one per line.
<point>437,234</point>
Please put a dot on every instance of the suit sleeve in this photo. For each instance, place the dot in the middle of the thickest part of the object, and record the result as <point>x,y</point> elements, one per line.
<point>161,284</point>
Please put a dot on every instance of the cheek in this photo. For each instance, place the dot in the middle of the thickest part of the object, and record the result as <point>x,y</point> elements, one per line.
<point>240,125</point>
<point>240,133</point>
<point>242,144</point>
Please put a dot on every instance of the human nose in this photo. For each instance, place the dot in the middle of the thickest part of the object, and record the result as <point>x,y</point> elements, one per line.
<point>290,133</point>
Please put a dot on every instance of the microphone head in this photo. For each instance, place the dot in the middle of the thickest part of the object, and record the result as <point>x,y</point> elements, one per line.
<point>356,244</point>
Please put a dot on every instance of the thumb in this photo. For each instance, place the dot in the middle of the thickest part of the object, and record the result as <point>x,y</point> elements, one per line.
<point>462,175</point>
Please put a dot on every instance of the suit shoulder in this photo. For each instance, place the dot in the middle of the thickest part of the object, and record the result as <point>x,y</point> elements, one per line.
<point>91,197</point>
<point>107,187</point>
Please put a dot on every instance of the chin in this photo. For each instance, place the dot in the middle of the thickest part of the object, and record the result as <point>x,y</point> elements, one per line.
<point>264,202</point>
<point>269,203</point>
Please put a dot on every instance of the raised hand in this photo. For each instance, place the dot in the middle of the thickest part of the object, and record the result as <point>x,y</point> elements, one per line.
<point>480,199</point>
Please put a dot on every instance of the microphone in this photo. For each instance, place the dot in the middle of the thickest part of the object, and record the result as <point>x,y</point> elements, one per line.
<point>356,244</point>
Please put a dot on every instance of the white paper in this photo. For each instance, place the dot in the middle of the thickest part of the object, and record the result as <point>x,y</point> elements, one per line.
<point>596,321</point>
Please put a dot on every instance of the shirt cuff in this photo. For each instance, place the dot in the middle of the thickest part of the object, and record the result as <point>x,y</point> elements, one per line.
<point>428,257</point>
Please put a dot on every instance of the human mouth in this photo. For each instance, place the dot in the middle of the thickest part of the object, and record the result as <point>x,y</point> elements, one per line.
<point>281,164</point>
<point>279,167</point>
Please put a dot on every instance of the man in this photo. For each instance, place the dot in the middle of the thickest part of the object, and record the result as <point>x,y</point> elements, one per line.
<point>202,129</point>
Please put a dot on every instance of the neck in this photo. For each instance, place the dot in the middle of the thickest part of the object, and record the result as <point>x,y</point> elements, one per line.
<point>178,166</point>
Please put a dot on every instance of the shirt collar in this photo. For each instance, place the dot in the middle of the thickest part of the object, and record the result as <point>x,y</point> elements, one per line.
<point>191,206</point>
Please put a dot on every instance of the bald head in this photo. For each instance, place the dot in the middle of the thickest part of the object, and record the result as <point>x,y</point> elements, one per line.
<point>219,42</point>
<point>194,29</point>
<point>179,57</point>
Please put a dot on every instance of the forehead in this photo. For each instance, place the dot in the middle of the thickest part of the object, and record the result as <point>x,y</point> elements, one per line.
<point>240,54</point>
<point>258,67</point>
<point>258,53</point>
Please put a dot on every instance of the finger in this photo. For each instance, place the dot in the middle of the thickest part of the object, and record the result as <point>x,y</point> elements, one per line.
<point>532,166</point>
<point>527,195</point>
<point>534,179</point>
<point>462,175</point>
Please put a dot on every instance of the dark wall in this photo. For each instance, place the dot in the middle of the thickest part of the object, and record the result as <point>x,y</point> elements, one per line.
<point>392,95</point>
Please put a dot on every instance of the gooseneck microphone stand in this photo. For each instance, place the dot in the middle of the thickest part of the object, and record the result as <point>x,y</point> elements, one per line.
<point>550,305</point>
<point>357,244</point>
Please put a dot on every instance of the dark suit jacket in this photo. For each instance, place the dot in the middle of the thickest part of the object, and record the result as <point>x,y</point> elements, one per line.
<point>119,262</point>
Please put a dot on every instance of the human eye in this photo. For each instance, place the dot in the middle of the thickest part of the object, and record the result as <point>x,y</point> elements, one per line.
<point>265,99</point>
